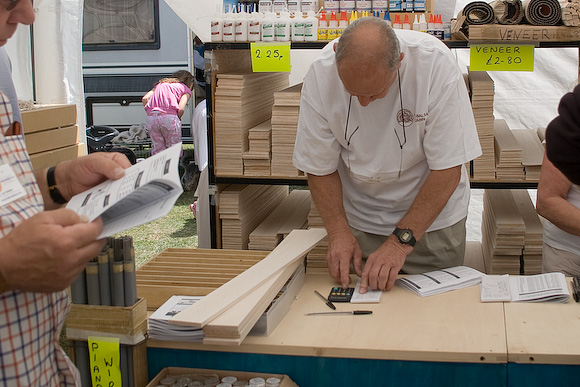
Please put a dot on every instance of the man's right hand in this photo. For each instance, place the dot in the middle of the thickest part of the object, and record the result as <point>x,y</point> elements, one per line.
<point>47,252</point>
<point>341,250</point>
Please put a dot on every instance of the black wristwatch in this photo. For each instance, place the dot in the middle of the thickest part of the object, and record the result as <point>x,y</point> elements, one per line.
<point>405,236</point>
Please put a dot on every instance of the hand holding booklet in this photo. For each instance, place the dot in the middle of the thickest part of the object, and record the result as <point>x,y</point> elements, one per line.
<point>148,191</point>
<point>548,287</point>
<point>439,281</point>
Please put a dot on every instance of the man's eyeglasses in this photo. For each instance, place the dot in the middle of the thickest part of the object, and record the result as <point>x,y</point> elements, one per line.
<point>402,143</point>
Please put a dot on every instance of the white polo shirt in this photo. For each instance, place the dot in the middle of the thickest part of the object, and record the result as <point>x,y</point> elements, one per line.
<point>380,180</point>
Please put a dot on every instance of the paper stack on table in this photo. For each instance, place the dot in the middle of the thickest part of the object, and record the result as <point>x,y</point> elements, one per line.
<point>159,327</point>
<point>439,281</point>
<point>548,287</point>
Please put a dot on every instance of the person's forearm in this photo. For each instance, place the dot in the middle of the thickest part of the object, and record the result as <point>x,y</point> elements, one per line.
<point>552,202</point>
<point>562,214</point>
<point>327,195</point>
<point>431,199</point>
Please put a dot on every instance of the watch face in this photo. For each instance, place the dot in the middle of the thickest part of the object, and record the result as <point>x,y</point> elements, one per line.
<point>406,236</point>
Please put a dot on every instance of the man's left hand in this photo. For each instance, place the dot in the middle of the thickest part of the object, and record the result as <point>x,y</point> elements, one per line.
<point>78,175</point>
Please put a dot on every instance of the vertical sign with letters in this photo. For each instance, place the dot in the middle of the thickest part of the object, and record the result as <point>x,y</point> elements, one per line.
<point>104,353</point>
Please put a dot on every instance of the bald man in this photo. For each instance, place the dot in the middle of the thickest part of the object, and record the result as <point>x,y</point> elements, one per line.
<point>385,129</point>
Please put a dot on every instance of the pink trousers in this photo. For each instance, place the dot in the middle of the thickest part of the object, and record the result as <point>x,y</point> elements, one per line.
<point>164,130</point>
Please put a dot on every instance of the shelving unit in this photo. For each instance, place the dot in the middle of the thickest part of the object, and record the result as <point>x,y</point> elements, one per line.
<point>232,56</point>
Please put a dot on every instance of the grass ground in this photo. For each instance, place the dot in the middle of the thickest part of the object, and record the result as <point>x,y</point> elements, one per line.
<point>177,229</point>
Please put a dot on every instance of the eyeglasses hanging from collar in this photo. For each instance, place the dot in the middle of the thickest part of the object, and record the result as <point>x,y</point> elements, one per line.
<point>402,112</point>
<point>348,138</point>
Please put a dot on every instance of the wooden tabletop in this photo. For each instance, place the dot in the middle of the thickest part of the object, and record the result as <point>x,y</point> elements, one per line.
<point>543,333</point>
<point>450,327</point>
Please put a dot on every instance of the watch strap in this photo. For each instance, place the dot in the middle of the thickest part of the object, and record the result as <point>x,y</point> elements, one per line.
<point>53,190</point>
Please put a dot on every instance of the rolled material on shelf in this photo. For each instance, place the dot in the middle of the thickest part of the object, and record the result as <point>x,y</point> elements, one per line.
<point>478,12</point>
<point>571,13</point>
<point>543,12</point>
<point>508,11</point>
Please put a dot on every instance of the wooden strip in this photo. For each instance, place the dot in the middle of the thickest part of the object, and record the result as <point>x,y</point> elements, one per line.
<point>292,248</point>
<point>237,321</point>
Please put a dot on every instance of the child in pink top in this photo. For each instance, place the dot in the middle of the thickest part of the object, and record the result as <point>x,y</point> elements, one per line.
<point>164,105</point>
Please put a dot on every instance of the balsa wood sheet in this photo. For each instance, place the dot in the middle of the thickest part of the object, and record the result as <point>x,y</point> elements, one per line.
<point>291,213</point>
<point>290,250</point>
<point>191,272</point>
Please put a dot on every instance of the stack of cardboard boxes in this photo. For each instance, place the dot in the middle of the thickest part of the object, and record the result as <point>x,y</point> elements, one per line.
<point>52,134</point>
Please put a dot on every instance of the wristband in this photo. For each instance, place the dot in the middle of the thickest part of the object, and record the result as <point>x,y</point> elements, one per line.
<point>55,194</point>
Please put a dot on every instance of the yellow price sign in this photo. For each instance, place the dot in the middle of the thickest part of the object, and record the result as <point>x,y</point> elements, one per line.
<point>270,57</point>
<point>501,57</point>
<point>104,361</point>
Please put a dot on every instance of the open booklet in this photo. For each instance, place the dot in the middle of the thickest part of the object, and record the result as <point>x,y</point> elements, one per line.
<point>439,281</point>
<point>147,192</point>
<point>548,287</point>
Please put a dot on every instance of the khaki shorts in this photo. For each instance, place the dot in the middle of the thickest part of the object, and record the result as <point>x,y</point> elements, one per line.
<point>560,261</point>
<point>435,250</point>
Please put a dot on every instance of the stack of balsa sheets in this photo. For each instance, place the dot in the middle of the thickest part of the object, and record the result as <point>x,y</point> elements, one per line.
<point>242,207</point>
<point>242,101</point>
<point>533,238</point>
<point>229,312</point>
<point>191,272</point>
<point>511,233</point>
<point>482,91</point>
<point>257,158</point>
<point>291,213</point>
<point>503,233</point>
<point>532,152</point>
<point>316,258</point>
<point>508,153</point>
<point>285,113</point>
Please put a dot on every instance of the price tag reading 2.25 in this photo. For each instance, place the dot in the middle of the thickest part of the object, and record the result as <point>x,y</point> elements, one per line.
<point>501,57</point>
<point>270,57</point>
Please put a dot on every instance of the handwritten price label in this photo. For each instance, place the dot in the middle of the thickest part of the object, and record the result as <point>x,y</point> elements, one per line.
<point>501,57</point>
<point>270,57</point>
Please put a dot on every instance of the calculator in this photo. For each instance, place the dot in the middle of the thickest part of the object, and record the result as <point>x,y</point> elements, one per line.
<point>340,294</point>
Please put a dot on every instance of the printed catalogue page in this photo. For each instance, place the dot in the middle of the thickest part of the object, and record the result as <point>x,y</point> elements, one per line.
<point>147,192</point>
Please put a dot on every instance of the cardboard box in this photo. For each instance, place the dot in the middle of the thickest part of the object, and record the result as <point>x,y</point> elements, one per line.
<point>51,139</point>
<point>280,306</point>
<point>53,157</point>
<point>285,380</point>
<point>128,323</point>
<point>48,117</point>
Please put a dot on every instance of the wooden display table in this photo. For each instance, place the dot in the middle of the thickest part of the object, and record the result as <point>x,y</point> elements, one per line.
<point>543,343</point>
<point>447,339</point>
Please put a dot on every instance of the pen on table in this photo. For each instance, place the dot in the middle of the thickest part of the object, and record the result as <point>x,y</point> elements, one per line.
<point>326,300</point>
<point>355,312</point>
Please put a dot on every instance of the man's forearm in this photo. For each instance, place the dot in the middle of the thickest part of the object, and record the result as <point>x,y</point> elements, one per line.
<point>327,195</point>
<point>431,199</point>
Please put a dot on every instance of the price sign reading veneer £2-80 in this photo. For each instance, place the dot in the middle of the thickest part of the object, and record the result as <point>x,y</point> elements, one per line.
<point>270,57</point>
<point>501,57</point>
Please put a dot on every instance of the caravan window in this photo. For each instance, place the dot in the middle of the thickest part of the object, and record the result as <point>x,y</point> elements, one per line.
<point>120,24</point>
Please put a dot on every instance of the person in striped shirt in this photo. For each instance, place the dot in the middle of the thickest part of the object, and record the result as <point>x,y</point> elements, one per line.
<point>44,247</point>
